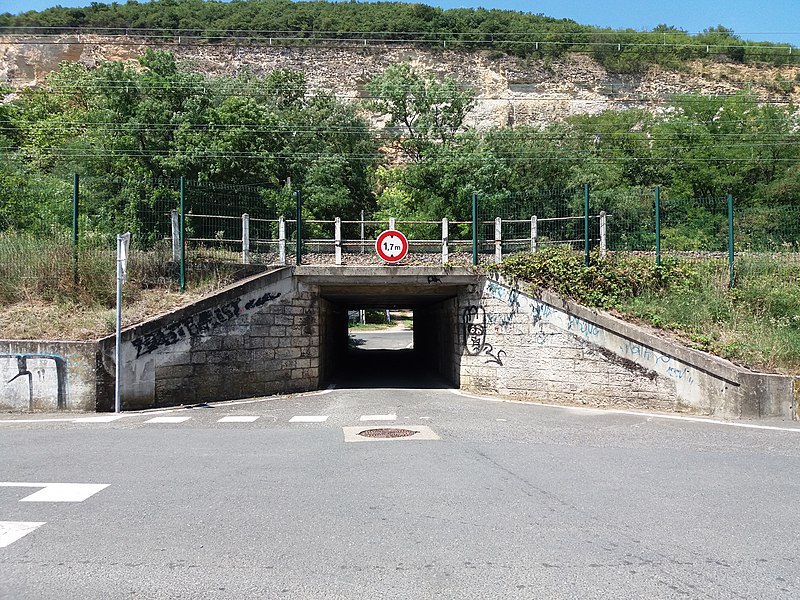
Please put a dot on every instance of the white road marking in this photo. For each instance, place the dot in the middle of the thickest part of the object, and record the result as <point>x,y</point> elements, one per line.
<point>502,420</point>
<point>309,419</point>
<point>168,420</point>
<point>11,531</point>
<point>37,420</point>
<point>58,492</point>
<point>103,419</point>
<point>237,419</point>
<point>378,418</point>
<point>650,416</point>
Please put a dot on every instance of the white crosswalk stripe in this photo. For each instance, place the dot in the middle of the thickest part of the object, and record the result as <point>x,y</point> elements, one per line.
<point>308,419</point>
<point>389,417</point>
<point>168,419</point>
<point>237,419</point>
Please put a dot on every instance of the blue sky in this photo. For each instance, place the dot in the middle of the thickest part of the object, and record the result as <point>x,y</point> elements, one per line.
<point>770,20</point>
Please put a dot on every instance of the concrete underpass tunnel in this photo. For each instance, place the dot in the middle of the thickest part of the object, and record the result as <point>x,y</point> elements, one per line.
<point>425,357</point>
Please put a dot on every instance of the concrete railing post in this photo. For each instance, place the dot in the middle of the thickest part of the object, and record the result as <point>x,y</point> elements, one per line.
<point>282,240</point>
<point>176,235</point>
<point>498,240</point>
<point>245,239</point>
<point>534,233</point>
<point>362,232</point>
<point>337,240</point>
<point>445,241</point>
<point>603,233</point>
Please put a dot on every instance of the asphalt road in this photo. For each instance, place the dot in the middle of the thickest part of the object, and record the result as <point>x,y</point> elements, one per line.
<point>513,501</point>
<point>385,339</point>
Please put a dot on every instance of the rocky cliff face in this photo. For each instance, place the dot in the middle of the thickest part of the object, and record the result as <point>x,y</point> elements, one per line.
<point>510,91</point>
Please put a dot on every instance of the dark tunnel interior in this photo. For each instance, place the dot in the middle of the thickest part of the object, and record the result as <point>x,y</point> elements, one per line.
<point>350,362</point>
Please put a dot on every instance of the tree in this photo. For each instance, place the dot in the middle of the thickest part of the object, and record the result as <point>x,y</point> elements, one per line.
<point>424,109</point>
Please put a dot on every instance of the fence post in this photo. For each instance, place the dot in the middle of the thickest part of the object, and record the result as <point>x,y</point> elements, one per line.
<point>445,241</point>
<point>586,224</point>
<point>603,224</point>
<point>730,242</point>
<point>362,232</point>
<point>175,220</point>
<point>245,239</point>
<point>498,240</point>
<point>475,229</point>
<point>392,223</point>
<point>75,199</point>
<point>299,199</point>
<point>337,240</point>
<point>534,233</point>
<point>658,225</point>
<point>182,232</point>
<point>282,240</point>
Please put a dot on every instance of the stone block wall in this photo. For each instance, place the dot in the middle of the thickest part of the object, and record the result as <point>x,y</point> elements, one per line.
<point>551,350</point>
<point>258,337</point>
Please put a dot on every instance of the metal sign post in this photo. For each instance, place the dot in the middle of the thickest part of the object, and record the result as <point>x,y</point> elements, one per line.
<point>123,241</point>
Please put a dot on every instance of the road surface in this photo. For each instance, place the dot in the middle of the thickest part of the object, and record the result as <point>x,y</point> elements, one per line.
<point>267,499</point>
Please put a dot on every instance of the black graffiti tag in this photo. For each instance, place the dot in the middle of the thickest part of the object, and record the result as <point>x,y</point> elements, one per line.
<point>474,322</point>
<point>190,327</point>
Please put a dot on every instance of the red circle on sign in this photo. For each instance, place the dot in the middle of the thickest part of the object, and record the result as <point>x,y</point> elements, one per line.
<point>391,246</point>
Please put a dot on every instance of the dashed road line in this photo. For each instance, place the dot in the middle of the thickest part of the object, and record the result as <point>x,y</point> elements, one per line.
<point>11,531</point>
<point>241,419</point>
<point>309,419</point>
<point>378,418</point>
<point>168,419</point>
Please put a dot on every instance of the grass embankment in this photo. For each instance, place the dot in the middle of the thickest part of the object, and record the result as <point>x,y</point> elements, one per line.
<point>756,324</point>
<point>41,299</point>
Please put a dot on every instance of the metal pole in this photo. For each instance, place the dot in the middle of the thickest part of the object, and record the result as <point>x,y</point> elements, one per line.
<point>298,197</point>
<point>586,224</point>
<point>730,241</point>
<point>534,233</point>
<point>118,344</point>
<point>475,228</point>
<point>658,225</point>
<point>183,233</point>
<point>75,198</point>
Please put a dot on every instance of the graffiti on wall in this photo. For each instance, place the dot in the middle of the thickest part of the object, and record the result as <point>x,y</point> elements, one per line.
<point>474,321</point>
<point>197,324</point>
<point>540,312</point>
<point>38,385</point>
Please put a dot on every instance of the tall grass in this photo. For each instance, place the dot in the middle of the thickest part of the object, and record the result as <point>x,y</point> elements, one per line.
<point>44,270</point>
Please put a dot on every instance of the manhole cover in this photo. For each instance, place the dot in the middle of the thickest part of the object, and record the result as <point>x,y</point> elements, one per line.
<point>387,432</point>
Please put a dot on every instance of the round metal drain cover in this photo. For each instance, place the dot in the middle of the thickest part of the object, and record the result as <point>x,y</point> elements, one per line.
<point>386,432</point>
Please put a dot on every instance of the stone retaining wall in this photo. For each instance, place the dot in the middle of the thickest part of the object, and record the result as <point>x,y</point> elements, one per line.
<point>548,349</point>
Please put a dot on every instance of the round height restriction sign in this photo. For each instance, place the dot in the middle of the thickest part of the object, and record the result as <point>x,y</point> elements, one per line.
<point>392,246</point>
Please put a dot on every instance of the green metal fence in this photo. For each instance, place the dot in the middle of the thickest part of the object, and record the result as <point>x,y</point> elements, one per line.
<point>68,229</point>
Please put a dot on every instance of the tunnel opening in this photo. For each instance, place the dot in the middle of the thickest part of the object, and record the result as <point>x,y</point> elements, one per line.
<point>423,353</point>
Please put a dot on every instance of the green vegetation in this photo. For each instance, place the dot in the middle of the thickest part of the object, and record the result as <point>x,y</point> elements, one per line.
<point>521,34</point>
<point>757,323</point>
